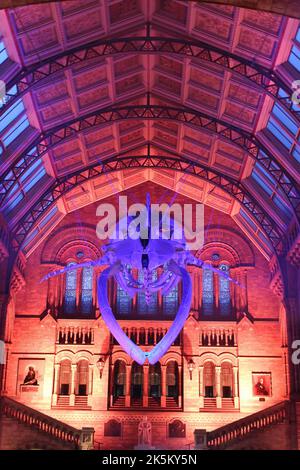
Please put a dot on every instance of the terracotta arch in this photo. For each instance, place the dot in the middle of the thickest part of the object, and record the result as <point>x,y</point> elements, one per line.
<point>54,249</point>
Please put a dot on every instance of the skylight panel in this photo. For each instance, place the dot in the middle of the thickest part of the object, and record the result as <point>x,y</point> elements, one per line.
<point>16,130</point>
<point>3,53</point>
<point>294,58</point>
<point>48,217</point>
<point>279,133</point>
<point>249,221</point>
<point>296,153</point>
<point>279,112</point>
<point>11,114</point>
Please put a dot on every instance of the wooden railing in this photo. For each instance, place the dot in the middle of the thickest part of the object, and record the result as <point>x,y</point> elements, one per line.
<point>35,419</point>
<point>240,429</point>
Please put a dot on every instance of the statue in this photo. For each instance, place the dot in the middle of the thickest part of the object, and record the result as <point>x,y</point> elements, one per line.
<point>30,378</point>
<point>144,434</point>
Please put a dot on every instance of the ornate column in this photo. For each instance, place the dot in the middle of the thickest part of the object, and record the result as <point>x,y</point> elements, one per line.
<point>201,387</point>
<point>72,391</point>
<point>55,383</point>
<point>145,385</point>
<point>127,385</point>
<point>4,302</point>
<point>180,385</point>
<point>218,387</point>
<point>236,387</point>
<point>163,386</point>
<point>90,384</point>
<point>111,384</point>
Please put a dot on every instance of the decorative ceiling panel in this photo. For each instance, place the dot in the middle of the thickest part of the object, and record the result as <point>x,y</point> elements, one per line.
<point>127,78</point>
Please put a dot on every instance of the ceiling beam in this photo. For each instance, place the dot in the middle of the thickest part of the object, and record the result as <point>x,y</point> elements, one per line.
<point>63,185</point>
<point>258,76</point>
<point>247,142</point>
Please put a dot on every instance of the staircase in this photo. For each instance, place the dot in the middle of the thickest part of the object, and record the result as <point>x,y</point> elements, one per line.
<point>210,404</point>
<point>136,403</point>
<point>63,402</point>
<point>153,403</point>
<point>239,430</point>
<point>81,402</point>
<point>228,404</point>
<point>171,403</point>
<point>36,427</point>
<point>119,402</point>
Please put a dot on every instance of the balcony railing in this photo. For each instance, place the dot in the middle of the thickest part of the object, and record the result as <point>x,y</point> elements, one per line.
<point>75,335</point>
<point>146,336</point>
<point>218,336</point>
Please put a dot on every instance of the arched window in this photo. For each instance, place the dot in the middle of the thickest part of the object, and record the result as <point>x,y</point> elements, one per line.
<point>124,302</point>
<point>87,290</point>
<point>177,429</point>
<point>144,308</point>
<point>65,378</point>
<point>112,428</point>
<point>119,379</point>
<point>170,302</point>
<point>209,379</point>
<point>70,291</point>
<point>82,378</point>
<point>227,380</point>
<point>208,292</point>
<point>137,379</point>
<point>224,292</point>
<point>155,380</point>
<point>172,377</point>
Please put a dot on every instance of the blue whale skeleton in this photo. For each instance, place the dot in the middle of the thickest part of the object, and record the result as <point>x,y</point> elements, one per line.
<point>145,255</point>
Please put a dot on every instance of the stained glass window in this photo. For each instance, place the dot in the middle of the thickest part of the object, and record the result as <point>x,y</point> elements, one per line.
<point>224,292</point>
<point>70,292</point>
<point>170,302</point>
<point>207,292</point>
<point>124,301</point>
<point>87,290</point>
<point>152,307</point>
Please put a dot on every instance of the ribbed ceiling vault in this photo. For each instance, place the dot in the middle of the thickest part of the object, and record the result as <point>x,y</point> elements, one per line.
<point>107,80</point>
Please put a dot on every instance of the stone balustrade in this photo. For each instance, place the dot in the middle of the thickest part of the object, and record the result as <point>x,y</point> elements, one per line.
<point>148,336</point>
<point>230,433</point>
<point>75,335</point>
<point>67,435</point>
<point>218,336</point>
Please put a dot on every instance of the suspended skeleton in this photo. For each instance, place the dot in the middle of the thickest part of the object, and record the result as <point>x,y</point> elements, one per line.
<point>145,255</point>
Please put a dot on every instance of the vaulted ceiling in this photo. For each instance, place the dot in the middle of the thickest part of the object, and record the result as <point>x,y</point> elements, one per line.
<point>173,81</point>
